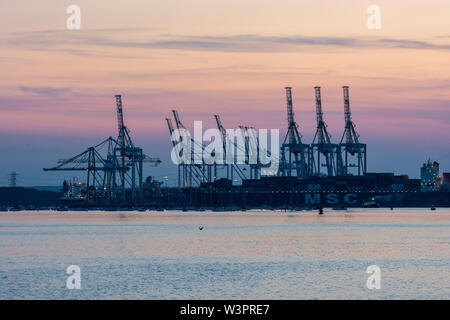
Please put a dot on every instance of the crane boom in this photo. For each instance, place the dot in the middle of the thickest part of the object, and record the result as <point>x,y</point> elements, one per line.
<point>348,116</point>
<point>223,132</point>
<point>290,115</point>
<point>177,120</point>
<point>350,145</point>
<point>319,115</point>
<point>120,123</point>
<point>350,133</point>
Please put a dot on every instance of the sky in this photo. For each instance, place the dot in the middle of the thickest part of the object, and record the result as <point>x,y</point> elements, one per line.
<point>232,58</point>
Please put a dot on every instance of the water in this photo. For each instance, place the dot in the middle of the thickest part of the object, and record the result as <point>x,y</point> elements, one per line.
<point>239,255</point>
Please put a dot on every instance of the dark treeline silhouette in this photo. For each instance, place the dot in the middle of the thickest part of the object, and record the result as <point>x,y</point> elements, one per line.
<point>20,196</point>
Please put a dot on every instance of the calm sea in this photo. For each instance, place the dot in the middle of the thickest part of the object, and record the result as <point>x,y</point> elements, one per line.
<point>238,255</point>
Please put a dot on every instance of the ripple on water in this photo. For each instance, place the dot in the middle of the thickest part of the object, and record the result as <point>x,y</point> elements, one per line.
<point>256,255</point>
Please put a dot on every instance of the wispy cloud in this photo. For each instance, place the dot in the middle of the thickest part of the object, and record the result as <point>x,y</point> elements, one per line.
<point>44,91</point>
<point>73,41</point>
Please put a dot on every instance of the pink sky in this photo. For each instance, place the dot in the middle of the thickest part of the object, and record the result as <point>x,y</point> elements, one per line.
<point>232,58</point>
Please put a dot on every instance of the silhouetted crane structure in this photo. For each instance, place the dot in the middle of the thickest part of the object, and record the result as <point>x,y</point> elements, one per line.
<point>180,166</point>
<point>246,155</point>
<point>294,153</point>
<point>127,152</point>
<point>114,167</point>
<point>322,149</point>
<point>231,168</point>
<point>101,168</point>
<point>350,146</point>
<point>251,144</point>
<point>321,157</point>
<point>192,173</point>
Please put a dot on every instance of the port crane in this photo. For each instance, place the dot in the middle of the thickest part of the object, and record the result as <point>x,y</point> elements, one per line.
<point>192,173</point>
<point>294,153</point>
<point>100,166</point>
<point>233,168</point>
<point>322,149</point>
<point>251,145</point>
<point>350,146</point>
<point>113,167</point>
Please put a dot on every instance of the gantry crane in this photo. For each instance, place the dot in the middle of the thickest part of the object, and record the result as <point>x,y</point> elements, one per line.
<point>228,144</point>
<point>294,153</point>
<point>101,167</point>
<point>251,145</point>
<point>113,166</point>
<point>322,147</point>
<point>350,146</point>
<point>127,153</point>
<point>192,173</point>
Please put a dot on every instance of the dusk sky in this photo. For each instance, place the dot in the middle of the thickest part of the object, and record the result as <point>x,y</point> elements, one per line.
<point>233,58</point>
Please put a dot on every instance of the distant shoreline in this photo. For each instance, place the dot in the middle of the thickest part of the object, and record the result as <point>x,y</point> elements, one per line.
<point>21,198</point>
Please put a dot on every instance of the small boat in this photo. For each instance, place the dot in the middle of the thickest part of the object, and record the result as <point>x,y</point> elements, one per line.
<point>433,208</point>
<point>370,204</point>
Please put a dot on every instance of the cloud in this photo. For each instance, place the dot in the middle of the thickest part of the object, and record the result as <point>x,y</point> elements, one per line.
<point>45,91</point>
<point>71,41</point>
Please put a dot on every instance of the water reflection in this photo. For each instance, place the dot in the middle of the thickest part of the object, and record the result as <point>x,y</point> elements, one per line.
<point>260,254</point>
